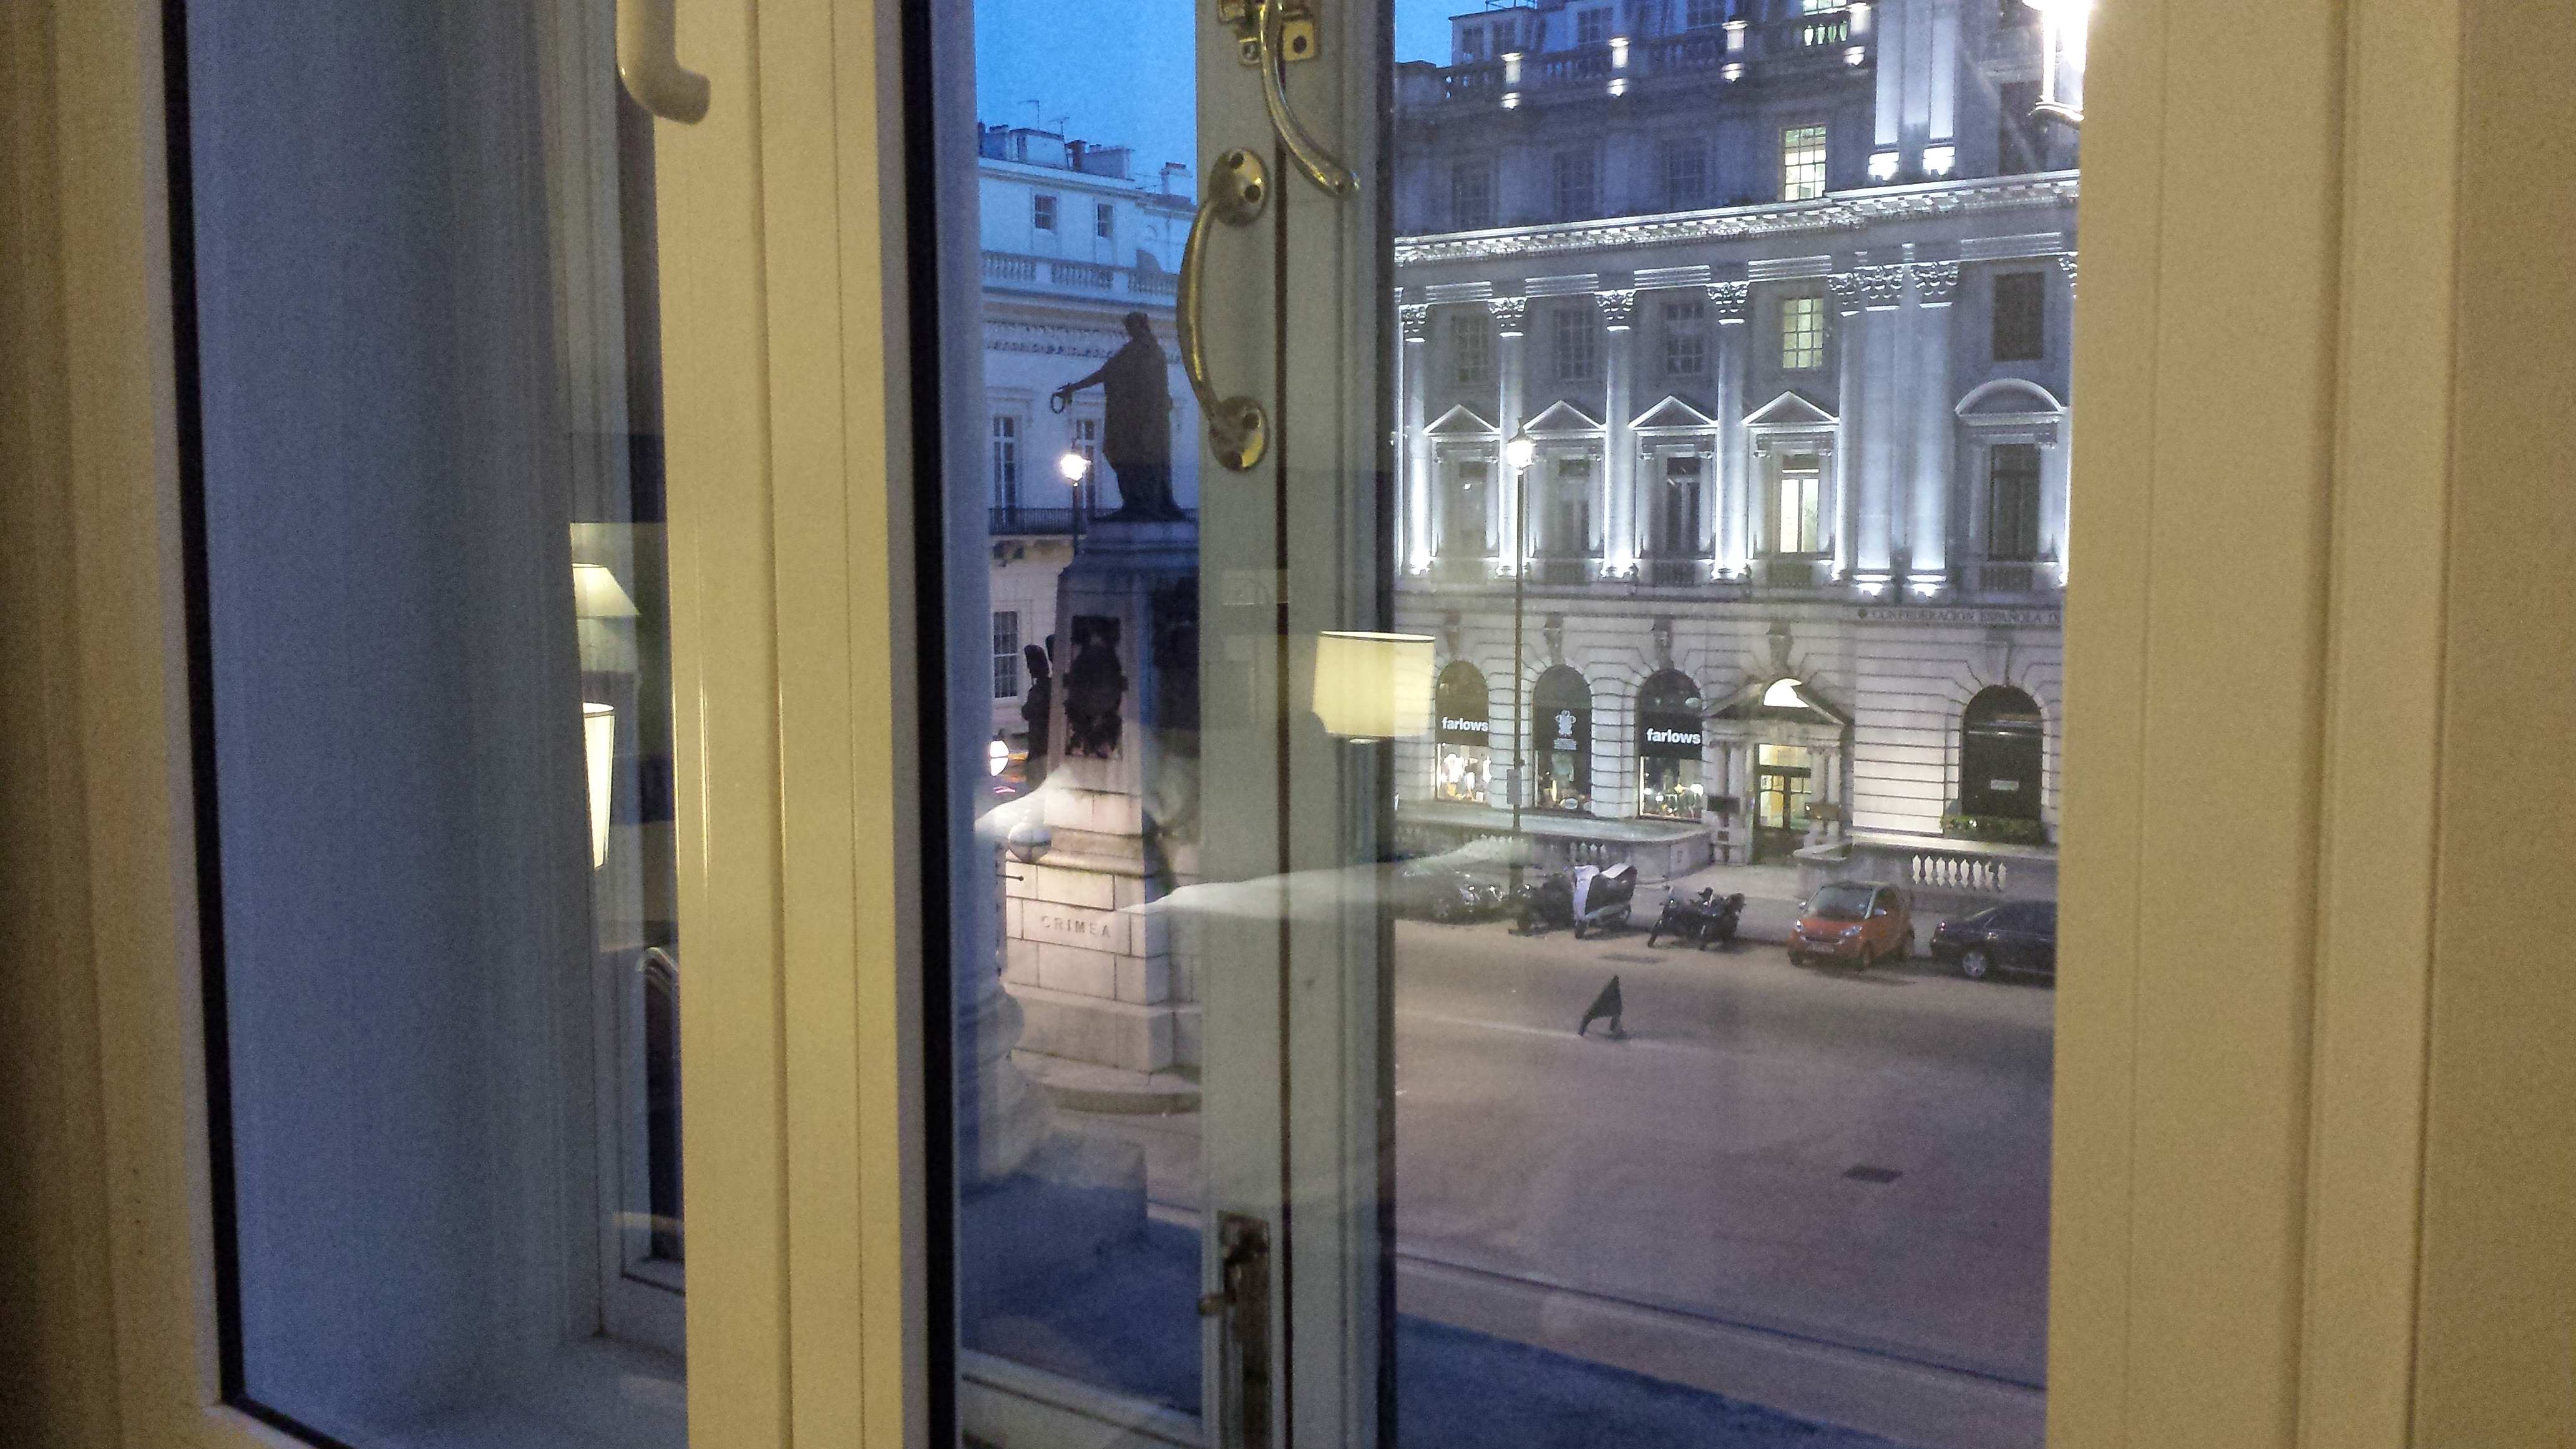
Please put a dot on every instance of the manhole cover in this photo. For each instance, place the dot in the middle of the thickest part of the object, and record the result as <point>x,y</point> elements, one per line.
<point>1873,1174</point>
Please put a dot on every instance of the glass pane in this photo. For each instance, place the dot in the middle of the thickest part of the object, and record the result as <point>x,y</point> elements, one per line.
<point>444,958</point>
<point>1798,1194</point>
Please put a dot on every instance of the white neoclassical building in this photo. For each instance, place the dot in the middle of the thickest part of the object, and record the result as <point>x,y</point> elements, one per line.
<point>1073,240</point>
<point>1777,296</point>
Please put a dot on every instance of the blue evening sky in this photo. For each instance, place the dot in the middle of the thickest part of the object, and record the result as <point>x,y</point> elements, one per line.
<point>1119,72</point>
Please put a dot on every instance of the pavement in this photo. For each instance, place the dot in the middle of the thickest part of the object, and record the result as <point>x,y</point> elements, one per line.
<point>1852,1164</point>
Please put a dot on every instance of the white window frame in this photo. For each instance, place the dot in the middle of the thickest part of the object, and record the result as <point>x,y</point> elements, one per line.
<point>1045,212</point>
<point>2331,1276</point>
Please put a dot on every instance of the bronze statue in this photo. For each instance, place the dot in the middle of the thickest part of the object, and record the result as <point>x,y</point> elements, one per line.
<point>1136,433</point>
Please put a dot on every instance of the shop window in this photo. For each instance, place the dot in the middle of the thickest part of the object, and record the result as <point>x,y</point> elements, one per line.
<point>1671,743</point>
<point>2000,756</point>
<point>1463,757</point>
<point>1561,741</point>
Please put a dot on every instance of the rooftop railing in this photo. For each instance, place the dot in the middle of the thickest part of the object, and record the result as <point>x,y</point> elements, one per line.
<point>1795,44</point>
<point>1076,278</point>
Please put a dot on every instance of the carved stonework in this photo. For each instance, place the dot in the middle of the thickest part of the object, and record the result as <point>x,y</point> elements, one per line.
<point>1618,308</point>
<point>1661,636</point>
<point>1846,286</point>
<point>2066,264</point>
<point>1553,631</point>
<point>1880,287</point>
<point>1833,217</point>
<point>1936,283</point>
<point>1095,687</point>
<point>1726,300</point>
<point>1510,314</point>
<point>1416,318</point>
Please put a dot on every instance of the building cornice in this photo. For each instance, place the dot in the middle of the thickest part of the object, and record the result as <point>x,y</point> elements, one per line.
<point>1842,211</point>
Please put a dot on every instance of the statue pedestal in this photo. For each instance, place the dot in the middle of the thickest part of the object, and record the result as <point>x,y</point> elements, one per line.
<point>1095,974</point>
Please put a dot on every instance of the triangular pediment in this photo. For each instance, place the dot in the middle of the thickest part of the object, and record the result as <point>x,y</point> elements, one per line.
<point>1461,422</point>
<point>2009,397</point>
<point>1563,417</point>
<point>1673,415</point>
<point>1784,700</point>
<point>1789,410</point>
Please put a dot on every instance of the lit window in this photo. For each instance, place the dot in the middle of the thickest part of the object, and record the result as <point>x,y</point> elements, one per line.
<point>1578,344</point>
<point>1818,7</point>
<point>1801,507</point>
<point>1802,333</point>
<point>1802,163</point>
<point>1592,27</point>
<point>1104,220</point>
<point>1042,212</point>
<point>1471,346</point>
<point>1006,654</point>
<point>1685,339</point>
<point>1577,186</point>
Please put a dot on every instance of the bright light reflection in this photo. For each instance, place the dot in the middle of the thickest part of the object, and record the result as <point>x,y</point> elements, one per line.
<point>1783,694</point>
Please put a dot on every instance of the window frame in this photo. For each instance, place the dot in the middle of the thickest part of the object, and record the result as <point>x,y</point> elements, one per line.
<point>1802,349</point>
<point>2313,1089</point>
<point>1045,213</point>
<point>1794,183</point>
<point>2020,330</point>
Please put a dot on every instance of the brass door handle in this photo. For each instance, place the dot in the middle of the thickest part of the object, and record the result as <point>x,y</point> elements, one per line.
<point>1273,33</point>
<point>1236,191</point>
<point>648,60</point>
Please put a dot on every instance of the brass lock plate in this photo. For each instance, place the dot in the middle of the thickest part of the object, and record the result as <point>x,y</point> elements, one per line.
<point>1297,35</point>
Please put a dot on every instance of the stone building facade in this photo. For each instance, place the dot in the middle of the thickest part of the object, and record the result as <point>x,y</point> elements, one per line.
<point>1778,296</point>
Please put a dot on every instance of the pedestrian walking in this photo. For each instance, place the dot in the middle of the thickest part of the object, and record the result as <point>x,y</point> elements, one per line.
<point>1606,1004</point>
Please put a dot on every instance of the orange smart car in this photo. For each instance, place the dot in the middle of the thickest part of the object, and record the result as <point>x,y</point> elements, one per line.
<point>1856,921</point>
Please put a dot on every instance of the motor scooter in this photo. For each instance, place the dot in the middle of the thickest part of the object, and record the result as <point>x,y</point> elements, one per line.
<point>1587,899</point>
<point>1703,918</point>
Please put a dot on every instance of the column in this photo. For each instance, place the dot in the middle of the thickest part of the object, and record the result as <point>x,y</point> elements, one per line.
<point>1511,315</point>
<point>1935,468</point>
<point>1620,540</point>
<point>1730,507</point>
<point>1876,467</point>
<point>1413,445</point>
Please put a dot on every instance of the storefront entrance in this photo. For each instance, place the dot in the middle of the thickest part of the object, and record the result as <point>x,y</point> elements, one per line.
<point>1783,779</point>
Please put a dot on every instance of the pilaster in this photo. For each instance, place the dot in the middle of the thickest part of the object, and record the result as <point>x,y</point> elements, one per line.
<point>1730,509</point>
<point>1414,453</point>
<point>1934,472</point>
<point>1511,317</point>
<point>1620,534</point>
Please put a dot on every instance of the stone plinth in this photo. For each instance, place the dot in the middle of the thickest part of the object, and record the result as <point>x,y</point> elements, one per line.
<point>1093,969</point>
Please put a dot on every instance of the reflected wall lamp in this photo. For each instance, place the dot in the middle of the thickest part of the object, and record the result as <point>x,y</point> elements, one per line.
<point>2061,58</point>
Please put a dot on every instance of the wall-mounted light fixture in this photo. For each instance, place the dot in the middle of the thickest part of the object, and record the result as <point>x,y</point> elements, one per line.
<point>2062,24</point>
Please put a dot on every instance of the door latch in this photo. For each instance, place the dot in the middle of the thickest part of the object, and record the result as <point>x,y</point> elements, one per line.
<point>1296,27</point>
<point>1244,1303</point>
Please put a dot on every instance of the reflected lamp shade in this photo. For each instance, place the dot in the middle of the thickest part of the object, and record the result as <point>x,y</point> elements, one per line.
<point>599,748</point>
<point>596,594</point>
<point>1374,686</point>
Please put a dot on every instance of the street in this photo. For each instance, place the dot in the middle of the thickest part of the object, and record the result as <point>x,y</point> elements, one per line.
<point>1704,1163</point>
<point>1848,1163</point>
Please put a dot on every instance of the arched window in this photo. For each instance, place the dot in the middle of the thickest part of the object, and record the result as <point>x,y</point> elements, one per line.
<point>1561,740</point>
<point>1999,755</point>
<point>1463,760</point>
<point>1671,738</point>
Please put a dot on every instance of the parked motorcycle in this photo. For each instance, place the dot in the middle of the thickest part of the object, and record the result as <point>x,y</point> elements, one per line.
<point>1703,918</point>
<point>1587,899</point>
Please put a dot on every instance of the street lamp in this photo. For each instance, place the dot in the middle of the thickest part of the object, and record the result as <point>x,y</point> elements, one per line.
<point>1518,455</point>
<point>1075,467</point>
<point>2061,58</point>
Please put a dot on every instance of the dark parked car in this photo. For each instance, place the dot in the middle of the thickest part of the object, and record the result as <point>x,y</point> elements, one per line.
<point>2016,936</point>
<point>1443,890</point>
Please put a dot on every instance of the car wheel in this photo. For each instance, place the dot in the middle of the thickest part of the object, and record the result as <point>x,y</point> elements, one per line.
<point>1905,948</point>
<point>1797,958</point>
<point>1975,963</point>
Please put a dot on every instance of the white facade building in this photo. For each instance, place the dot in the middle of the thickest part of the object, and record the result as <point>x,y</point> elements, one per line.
<point>1072,243</point>
<point>1780,294</point>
